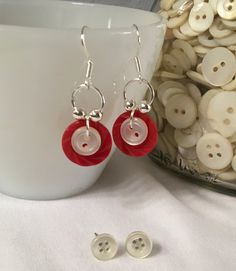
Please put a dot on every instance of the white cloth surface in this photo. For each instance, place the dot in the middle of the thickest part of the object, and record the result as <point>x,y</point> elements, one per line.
<point>192,228</point>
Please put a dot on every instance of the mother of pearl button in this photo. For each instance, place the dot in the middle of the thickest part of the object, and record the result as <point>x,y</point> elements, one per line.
<point>84,143</point>
<point>222,113</point>
<point>181,111</point>
<point>201,17</point>
<point>227,9</point>
<point>214,151</point>
<point>218,66</point>
<point>136,134</point>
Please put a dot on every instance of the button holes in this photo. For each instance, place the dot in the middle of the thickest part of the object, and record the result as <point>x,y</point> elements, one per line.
<point>136,134</point>
<point>210,155</point>
<point>219,154</point>
<point>197,17</point>
<point>101,250</point>
<point>217,145</point>
<point>106,243</point>
<point>215,69</point>
<point>183,112</point>
<point>208,146</point>
<point>226,121</point>
<point>230,110</point>
<point>176,110</point>
<point>222,64</point>
<point>230,7</point>
<point>134,242</point>
<point>143,245</point>
<point>204,16</point>
<point>137,248</point>
<point>140,239</point>
<point>231,1</point>
<point>107,249</point>
<point>85,145</point>
<point>100,244</point>
<point>233,78</point>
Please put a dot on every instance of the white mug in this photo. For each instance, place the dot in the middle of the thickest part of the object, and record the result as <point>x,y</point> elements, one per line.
<point>42,59</point>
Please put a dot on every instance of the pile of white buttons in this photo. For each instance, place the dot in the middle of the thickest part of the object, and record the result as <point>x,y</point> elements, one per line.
<point>195,82</point>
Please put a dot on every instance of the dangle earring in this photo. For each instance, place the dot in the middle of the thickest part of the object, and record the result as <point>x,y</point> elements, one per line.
<point>134,132</point>
<point>86,141</point>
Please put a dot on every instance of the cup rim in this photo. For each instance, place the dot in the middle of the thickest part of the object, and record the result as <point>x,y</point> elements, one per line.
<point>158,20</point>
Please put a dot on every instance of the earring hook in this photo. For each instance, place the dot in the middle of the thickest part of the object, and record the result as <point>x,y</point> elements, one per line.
<point>89,61</point>
<point>136,58</point>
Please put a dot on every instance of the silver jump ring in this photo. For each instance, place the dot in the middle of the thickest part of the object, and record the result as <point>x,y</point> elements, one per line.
<point>141,81</point>
<point>89,87</point>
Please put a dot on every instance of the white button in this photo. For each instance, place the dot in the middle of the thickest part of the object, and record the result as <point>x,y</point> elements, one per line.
<point>187,49</point>
<point>231,85</point>
<point>104,247</point>
<point>188,137</point>
<point>168,84</point>
<point>181,58</point>
<point>177,21</point>
<point>138,244</point>
<point>197,77</point>
<point>187,30</point>
<point>137,134</point>
<point>218,30</point>
<point>166,4</point>
<point>85,144</point>
<point>227,41</point>
<point>201,17</point>
<point>227,9</point>
<point>233,164</point>
<point>206,39</point>
<point>169,92</point>
<point>194,92</point>
<point>171,64</point>
<point>229,24</point>
<point>218,66</point>
<point>222,113</point>
<point>201,50</point>
<point>169,75</point>
<point>188,153</point>
<point>203,105</point>
<point>180,35</point>
<point>181,111</point>
<point>229,175</point>
<point>214,151</point>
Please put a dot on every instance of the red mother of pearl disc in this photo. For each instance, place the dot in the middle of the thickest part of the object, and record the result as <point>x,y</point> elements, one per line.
<point>134,149</point>
<point>75,156</point>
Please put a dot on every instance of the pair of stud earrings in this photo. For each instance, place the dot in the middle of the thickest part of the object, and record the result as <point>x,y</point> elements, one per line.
<point>104,247</point>
<point>87,142</point>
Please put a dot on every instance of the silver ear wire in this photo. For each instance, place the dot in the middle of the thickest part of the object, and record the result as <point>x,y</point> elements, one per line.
<point>136,58</point>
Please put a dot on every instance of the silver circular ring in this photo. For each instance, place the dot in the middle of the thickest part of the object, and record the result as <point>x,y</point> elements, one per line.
<point>89,87</point>
<point>142,81</point>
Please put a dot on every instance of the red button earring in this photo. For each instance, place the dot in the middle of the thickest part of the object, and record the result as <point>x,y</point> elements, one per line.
<point>134,132</point>
<point>86,141</point>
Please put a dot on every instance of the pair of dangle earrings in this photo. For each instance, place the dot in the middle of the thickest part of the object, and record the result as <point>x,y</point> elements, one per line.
<point>87,142</point>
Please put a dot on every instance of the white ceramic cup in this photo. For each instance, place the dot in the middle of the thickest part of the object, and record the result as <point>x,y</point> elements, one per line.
<point>41,61</point>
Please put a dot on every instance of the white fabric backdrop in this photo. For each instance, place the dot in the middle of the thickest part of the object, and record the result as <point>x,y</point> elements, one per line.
<point>193,228</point>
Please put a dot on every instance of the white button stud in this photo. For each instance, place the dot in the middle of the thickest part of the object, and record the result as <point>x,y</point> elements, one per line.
<point>104,247</point>
<point>138,245</point>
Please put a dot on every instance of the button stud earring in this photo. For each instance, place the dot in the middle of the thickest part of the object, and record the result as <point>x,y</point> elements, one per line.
<point>138,245</point>
<point>104,247</point>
